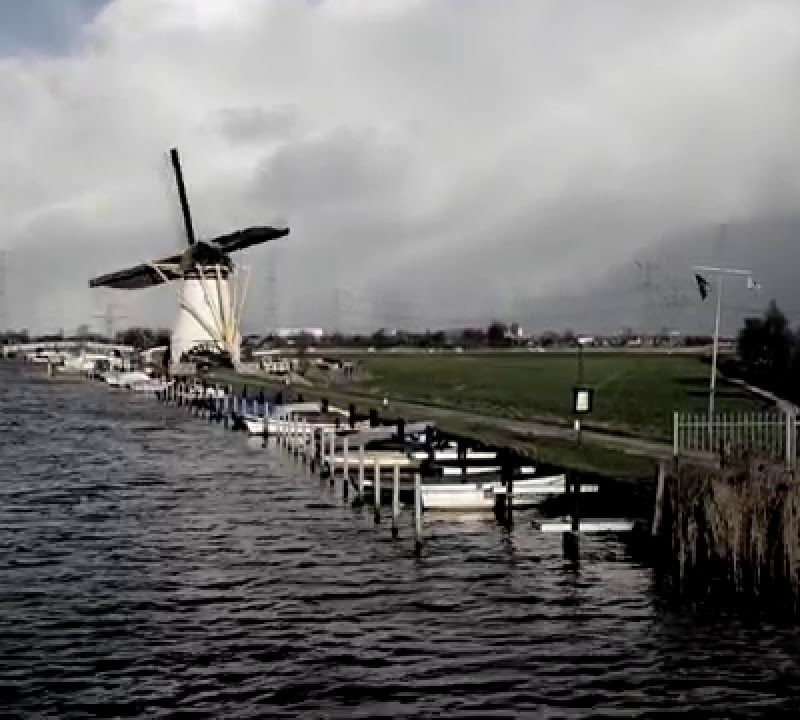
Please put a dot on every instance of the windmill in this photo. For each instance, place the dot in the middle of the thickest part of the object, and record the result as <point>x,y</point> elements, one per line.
<point>210,295</point>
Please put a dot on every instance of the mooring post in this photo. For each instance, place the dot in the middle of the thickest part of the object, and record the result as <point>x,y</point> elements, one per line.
<point>675,430</point>
<point>313,448</point>
<point>417,515</point>
<point>376,487</point>
<point>571,538</point>
<point>333,456</point>
<point>346,459</point>
<point>321,453</point>
<point>659,507</point>
<point>361,471</point>
<point>507,472</point>
<point>395,500</point>
<point>346,464</point>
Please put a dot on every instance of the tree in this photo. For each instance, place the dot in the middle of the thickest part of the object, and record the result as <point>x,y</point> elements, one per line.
<point>496,334</point>
<point>765,345</point>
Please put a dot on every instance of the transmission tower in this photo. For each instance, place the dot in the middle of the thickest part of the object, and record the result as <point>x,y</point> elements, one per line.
<point>271,293</point>
<point>109,318</point>
<point>646,267</point>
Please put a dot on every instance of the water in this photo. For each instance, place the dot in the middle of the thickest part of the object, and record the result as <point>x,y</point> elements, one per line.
<point>152,565</point>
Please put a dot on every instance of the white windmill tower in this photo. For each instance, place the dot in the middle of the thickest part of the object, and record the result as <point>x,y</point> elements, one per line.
<point>210,293</point>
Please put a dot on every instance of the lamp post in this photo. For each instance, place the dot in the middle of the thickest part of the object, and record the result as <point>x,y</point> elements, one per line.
<point>581,396</point>
<point>719,274</point>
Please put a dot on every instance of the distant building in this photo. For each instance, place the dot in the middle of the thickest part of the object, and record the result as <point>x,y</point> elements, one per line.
<point>317,333</point>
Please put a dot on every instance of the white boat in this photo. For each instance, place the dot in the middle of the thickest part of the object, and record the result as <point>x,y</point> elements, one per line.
<point>482,495</point>
<point>451,453</point>
<point>255,423</point>
<point>306,412</point>
<point>450,470</point>
<point>126,379</point>
<point>150,386</point>
<point>387,459</point>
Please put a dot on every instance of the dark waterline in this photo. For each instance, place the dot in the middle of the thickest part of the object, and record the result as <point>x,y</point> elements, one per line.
<point>152,565</point>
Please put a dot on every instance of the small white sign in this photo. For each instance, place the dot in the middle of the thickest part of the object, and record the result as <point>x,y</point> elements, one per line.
<point>582,401</point>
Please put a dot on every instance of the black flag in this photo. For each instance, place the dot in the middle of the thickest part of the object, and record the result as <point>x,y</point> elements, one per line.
<point>702,285</point>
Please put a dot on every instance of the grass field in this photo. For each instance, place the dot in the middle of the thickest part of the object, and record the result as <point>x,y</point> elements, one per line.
<point>634,393</point>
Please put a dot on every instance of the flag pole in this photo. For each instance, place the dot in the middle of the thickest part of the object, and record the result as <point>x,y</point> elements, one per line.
<point>714,352</point>
<point>719,273</point>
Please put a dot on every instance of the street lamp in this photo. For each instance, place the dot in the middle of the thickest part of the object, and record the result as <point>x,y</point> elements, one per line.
<point>582,397</point>
<point>720,274</point>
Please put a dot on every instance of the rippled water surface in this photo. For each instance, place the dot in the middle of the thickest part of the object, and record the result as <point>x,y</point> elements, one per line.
<point>153,565</point>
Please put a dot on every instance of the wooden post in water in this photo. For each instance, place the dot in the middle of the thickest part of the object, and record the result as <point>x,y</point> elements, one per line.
<point>417,515</point>
<point>332,461</point>
<point>322,450</point>
<point>376,488</point>
<point>659,507</point>
<point>508,478</point>
<point>346,463</point>
<point>313,449</point>
<point>395,501</point>
<point>360,495</point>
<point>571,538</point>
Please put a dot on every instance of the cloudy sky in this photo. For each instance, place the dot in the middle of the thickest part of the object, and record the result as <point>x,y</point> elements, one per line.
<point>439,162</point>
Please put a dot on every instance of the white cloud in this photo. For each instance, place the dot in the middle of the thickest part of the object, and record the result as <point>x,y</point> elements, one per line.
<point>445,156</point>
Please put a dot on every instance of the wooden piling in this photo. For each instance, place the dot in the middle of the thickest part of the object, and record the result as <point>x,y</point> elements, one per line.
<point>571,538</point>
<point>361,471</point>
<point>417,515</point>
<point>376,487</point>
<point>346,459</point>
<point>332,457</point>
<point>395,501</point>
<point>659,506</point>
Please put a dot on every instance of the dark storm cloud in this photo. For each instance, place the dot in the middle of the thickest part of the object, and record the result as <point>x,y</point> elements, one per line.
<point>436,161</point>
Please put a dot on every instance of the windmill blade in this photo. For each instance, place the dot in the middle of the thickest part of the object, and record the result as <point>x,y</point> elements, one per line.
<point>187,216</point>
<point>141,276</point>
<point>251,236</point>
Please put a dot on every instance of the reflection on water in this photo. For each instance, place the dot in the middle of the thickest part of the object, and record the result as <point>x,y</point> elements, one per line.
<point>152,563</point>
